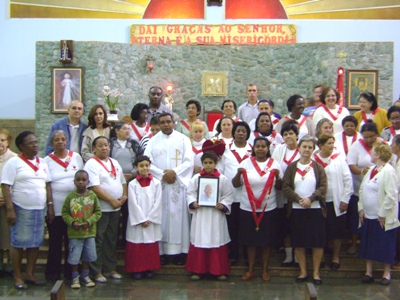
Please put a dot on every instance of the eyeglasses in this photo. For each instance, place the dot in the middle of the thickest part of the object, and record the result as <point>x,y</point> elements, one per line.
<point>369,138</point>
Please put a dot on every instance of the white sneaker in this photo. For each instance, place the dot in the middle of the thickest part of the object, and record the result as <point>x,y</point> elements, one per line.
<point>88,282</point>
<point>75,283</point>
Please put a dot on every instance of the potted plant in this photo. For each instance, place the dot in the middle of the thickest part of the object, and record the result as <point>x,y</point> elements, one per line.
<point>112,98</point>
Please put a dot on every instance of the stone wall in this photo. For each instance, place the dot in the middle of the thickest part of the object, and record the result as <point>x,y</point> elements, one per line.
<point>278,71</point>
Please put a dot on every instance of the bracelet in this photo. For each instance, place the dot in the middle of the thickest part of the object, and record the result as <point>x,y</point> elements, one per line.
<point>49,203</point>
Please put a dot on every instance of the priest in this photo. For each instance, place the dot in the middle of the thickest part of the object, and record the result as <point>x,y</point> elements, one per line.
<point>171,158</point>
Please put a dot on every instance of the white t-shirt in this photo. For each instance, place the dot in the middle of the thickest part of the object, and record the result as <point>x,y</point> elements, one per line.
<point>99,176</point>
<point>305,187</point>
<point>28,188</point>
<point>62,182</point>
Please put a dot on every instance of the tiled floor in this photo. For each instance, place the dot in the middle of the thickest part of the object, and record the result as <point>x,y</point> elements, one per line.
<point>180,287</point>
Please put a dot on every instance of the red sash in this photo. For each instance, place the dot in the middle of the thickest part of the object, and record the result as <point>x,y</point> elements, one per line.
<point>362,142</point>
<point>237,156</point>
<point>34,167</point>
<point>113,172</point>
<point>323,164</point>
<point>60,162</point>
<point>276,121</point>
<point>306,170</point>
<point>344,140</point>
<point>196,151</point>
<point>288,162</point>
<point>373,173</point>
<point>136,131</point>
<point>334,118</point>
<point>392,131</point>
<point>187,126</point>
<point>236,120</point>
<point>256,202</point>
<point>364,116</point>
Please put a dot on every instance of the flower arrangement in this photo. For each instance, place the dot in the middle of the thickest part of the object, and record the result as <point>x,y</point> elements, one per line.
<point>112,97</point>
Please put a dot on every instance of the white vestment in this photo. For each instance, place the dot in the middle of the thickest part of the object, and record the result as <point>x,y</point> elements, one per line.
<point>209,227</point>
<point>172,152</point>
<point>144,204</point>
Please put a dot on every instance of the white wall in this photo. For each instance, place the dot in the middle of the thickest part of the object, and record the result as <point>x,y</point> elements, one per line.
<point>18,38</point>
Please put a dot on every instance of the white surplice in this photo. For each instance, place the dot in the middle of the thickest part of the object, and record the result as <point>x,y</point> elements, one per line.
<point>172,152</point>
<point>209,228</point>
<point>144,204</point>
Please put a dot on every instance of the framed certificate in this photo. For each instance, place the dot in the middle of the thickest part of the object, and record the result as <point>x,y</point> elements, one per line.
<point>208,191</point>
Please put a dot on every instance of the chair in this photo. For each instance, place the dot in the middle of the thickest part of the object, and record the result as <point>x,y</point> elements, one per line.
<point>210,117</point>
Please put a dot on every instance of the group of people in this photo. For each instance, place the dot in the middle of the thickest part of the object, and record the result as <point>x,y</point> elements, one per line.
<point>258,181</point>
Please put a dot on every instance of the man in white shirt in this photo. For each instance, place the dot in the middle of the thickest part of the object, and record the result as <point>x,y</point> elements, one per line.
<point>72,126</point>
<point>248,110</point>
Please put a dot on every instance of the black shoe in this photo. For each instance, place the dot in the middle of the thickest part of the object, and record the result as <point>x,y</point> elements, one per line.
<point>301,279</point>
<point>317,281</point>
<point>335,266</point>
<point>137,276</point>
<point>287,264</point>
<point>367,279</point>
<point>148,275</point>
<point>163,260</point>
<point>178,260</point>
<point>385,281</point>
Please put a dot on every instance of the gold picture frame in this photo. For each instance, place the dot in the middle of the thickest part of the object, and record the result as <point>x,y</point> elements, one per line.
<point>360,81</point>
<point>214,83</point>
<point>66,86</point>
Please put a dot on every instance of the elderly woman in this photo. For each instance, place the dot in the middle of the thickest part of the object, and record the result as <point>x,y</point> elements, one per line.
<point>139,127</point>
<point>395,147</point>
<point>26,190</point>
<point>305,186</point>
<point>98,126</point>
<point>224,130</point>
<point>295,105</point>
<point>349,135</point>
<point>62,164</point>
<point>340,189</point>
<point>359,161</point>
<point>5,155</point>
<point>330,109</point>
<point>285,154</point>
<point>108,182</point>
<point>325,126</point>
<point>264,128</point>
<point>369,110</point>
<point>258,177</point>
<point>193,108</point>
<point>390,132</point>
<point>236,152</point>
<point>378,212</point>
<point>125,150</point>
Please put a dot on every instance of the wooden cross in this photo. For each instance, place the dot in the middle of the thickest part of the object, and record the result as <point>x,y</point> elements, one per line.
<point>177,152</point>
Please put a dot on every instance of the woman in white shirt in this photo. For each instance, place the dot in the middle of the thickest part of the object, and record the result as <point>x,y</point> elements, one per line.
<point>340,188</point>
<point>63,165</point>
<point>378,212</point>
<point>108,182</point>
<point>330,109</point>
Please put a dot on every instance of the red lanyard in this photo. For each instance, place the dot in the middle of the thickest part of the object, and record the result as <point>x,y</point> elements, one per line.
<point>184,123</point>
<point>34,167</point>
<point>288,162</point>
<point>305,171</point>
<point>257,167</point>
<point>362,142</point>
<point>237,156</point>
<point>344,140</point>
<point>113,172</point>
<point>373,173</point>
<point>196,151</point>
<point>256,202</point>
<point>392,131</point>
<point>136,131</point>
<point>334,118</point>
<point>60,162</point>
<point>364,116</point>
<point>319,160</point>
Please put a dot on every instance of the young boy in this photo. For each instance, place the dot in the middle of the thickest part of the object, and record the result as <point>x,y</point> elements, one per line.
<point>81,211</point>
<point>209,236</point>
<point>143,231</point>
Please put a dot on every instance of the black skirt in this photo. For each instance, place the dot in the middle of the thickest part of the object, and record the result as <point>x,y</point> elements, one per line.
<point>335,225</point>
<point>266,236</point>
<point>307,228</point>
<point>284,222</point>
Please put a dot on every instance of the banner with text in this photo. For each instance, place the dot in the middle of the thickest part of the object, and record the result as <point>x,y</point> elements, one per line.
<point>254,34</point>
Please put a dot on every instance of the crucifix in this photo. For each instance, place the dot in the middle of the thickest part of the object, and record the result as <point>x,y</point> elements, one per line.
<point>341,55</point>
<point>177,152</point>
